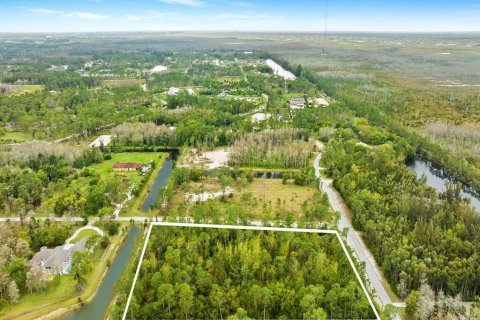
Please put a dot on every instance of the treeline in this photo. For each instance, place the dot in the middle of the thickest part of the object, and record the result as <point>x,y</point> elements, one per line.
<point>408,227</point>
<point>52,80</point>
<point>286,148</point>
<point>216,274</point>
<point>380,112</point>
<point>141,134</point>
<point>35,175</point>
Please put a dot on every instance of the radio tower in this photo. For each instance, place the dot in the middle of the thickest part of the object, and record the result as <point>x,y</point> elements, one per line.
<point>326,25</point>
<point>326,19</point>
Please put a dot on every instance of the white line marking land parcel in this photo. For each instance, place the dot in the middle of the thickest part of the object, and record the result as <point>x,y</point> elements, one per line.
<point>215,226</point>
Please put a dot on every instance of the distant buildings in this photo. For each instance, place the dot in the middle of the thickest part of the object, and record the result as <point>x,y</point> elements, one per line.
<point>173,91</point>
<point>322,102</point>
<point>259,117</point>
<point>57,261</point>
<point>158,69</point>
<point>54,68</point>
<point>297,103</point>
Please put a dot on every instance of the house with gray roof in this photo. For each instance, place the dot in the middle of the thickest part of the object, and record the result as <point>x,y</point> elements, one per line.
<point>57,261</point>
<point>297,103</point>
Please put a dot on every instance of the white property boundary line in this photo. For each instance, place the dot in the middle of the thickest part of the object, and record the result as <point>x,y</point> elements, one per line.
<point>234,227</point>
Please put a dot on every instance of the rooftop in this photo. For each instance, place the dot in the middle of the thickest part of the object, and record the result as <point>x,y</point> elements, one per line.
<point>128,165</point>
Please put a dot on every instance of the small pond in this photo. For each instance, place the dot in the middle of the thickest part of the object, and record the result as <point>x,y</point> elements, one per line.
<point>268,175</point>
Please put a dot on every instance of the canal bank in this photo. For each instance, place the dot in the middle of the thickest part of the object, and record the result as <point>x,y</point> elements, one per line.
<point>100,302</point>
<point>438,179</point>
<point>159,182</point>
<point>57,301</point>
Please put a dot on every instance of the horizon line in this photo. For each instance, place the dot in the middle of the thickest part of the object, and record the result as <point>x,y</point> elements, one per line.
<point>319,32</point>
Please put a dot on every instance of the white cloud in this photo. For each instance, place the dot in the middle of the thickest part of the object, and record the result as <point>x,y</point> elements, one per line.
<point>70,14</point>
<point>242,4</point>
<point>192,3</point>
<point>146,16</point>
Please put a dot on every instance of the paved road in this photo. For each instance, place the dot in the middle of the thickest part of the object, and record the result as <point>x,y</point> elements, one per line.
<point>353,239</point>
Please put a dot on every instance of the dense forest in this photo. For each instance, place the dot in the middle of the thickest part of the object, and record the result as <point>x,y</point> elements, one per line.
<point>218,273</point>
<point>409,228</point>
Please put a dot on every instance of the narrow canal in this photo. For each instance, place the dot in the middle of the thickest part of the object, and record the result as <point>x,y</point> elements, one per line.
<point>98,307</point>
<point>160,181</point>
<point>439,180</point>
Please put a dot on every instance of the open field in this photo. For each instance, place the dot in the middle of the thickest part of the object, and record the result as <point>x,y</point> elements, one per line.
<point>121,82</point>
<point>262,199</point>
<point>22,89</point>
<point>228,79</point>
<point>273,191</point>
<point>16,137</point>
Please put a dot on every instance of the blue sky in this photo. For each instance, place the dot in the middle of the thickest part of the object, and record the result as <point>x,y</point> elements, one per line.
<point>242,15</point>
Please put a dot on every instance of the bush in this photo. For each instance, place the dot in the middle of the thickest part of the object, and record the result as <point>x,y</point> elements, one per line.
<point>104,242</point>
<point>111,227</point>
<point>107,157</point>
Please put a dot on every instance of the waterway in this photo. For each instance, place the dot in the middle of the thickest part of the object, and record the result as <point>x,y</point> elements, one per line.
<point>439,179</point>
<point>268,175</point>
<point>160,181</point>
<point>99,305</point>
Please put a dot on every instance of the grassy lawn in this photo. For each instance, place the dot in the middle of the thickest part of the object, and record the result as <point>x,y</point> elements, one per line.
<point>23,89</point>
<point>390,292</point>
<point>134,208</point>
<point>16,136</point>
<point>105,171</point>
<point>403,314</point>
<point>62,294</point>
<point>87,234</point>
<point>228,79</point>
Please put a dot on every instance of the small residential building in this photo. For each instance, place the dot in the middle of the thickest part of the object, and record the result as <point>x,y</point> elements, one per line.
<point>260,116</point>
<point>322,102</point>
<point>129,166</point>
<point>57,261</point>
<point>297,103</point>
<point>158,69</point>
<point>173,91</point>
<point>102,140</point>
